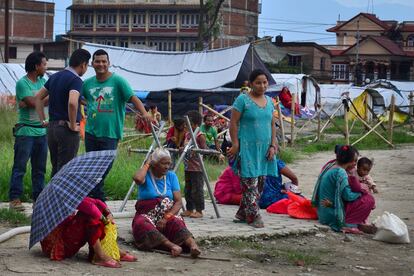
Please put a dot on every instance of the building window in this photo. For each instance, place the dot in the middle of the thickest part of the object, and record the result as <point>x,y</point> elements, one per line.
<point>124,20</point>
<point>188,45</point>
<point>12,52</point>
<point>123,43</point>
<point>83,20</point>
<point>106,20</point>
<point>322,65</point>
<point>106,41</point>
<point>410,41</point>
<point>189,20</point>
<point>163,45</point>
<point>163,20</point>
<point>138,20</point>
<point>294,60</point>
<point>340,71</point>
<point>137,42</point>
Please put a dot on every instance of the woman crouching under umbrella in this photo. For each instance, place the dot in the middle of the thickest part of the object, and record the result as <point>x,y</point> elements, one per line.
<point>86,226</point>
<point>156,224</point>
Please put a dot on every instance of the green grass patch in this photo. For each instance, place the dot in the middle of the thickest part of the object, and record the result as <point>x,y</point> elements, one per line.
<point>13,217</point>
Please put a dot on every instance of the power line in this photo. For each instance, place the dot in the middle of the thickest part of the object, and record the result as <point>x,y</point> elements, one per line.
<point>295,21</point>
<point>293,31</point>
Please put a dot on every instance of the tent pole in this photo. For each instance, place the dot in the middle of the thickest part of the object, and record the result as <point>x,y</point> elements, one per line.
<point>319,122</point>
<point>169,108</point>
<point>346,124</point>
<point>282,126</point>
<point>203,168</point>
<point>200,105</point>
<point>155,143</point>
<point>391,119</point>
<point>292,125</point>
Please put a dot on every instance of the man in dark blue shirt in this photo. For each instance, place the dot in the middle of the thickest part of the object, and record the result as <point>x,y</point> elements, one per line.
<point>63,89</point>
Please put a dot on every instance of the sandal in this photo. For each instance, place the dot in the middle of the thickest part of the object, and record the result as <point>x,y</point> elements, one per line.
<point>352,230</point>
<point>128,258</point>
<point>237,220</point>
<point>257,223</point>
<point>109,263</point>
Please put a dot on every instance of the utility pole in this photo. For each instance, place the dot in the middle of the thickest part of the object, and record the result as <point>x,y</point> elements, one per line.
<point>6,32</point>
<point>357,69</point>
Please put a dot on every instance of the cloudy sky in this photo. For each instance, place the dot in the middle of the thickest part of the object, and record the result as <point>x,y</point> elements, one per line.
<point>302,20</point>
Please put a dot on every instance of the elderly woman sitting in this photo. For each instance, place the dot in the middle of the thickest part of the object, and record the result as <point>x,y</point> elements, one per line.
<point>156,224</point>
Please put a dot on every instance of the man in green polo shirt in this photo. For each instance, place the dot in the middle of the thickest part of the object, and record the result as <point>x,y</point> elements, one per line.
<point>30,142</point>
<point>106,95</point>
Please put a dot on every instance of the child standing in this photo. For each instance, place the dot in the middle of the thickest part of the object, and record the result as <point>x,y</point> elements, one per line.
<point>364,166</point>
<point>193,190</point>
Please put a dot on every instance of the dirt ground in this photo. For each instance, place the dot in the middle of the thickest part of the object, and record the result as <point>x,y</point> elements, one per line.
<point>318,253</point>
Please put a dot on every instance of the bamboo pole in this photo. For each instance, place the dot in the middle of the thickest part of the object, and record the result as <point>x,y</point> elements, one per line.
<point>391,119</point>
<point>281,124</point>
<point>214,112</point>
<point>292,115</point>
<point>319,123</point>
<point>200,105</point>
<point>366,134</point>
<point>169,108</point>
<point>346,124</point>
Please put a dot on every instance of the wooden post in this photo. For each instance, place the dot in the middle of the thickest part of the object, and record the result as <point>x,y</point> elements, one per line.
<point>169,108</point>
<point>200,105</point>
<point>292,115</point>
<point>346,124</point>
<point>281,124</point>
<point>319,122</point>
<point>412,110</point>
<point>391,119</point>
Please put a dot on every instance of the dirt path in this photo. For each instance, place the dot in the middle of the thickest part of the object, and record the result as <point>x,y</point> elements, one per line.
<point>321,253</point>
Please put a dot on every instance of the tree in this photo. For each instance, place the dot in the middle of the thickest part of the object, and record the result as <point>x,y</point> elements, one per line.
<point>208,24</point>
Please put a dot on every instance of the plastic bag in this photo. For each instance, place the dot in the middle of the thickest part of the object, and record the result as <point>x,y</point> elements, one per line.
<point>109,244</point>
<point>391,229</point>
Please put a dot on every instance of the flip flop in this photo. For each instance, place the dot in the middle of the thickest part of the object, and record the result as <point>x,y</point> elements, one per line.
<point>236,220</point>
<point>257,223</point>
<point>352,230</point>
<point>128,258</point>
<point>110,263</point>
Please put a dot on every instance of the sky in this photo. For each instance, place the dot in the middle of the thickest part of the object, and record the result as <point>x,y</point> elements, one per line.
<point>301,20</point>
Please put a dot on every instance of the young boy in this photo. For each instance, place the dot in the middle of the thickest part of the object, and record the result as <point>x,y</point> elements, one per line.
<point>193,190</point>
<point>364,166</point>
<point>210,132</point>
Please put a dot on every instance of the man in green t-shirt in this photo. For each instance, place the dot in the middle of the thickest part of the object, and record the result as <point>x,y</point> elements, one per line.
<point>106,95</point>
<point>210,132</point>
<point>30,142</point>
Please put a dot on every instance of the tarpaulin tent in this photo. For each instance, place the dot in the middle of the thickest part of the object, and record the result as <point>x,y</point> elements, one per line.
<point>190,71</point>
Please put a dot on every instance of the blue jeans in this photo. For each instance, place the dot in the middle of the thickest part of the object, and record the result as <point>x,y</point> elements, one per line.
<point>35,148</point>
<point>93,143</point>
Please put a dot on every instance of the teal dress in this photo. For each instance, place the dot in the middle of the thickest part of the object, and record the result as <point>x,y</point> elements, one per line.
<point>333,185</point>
<point>255,136</point>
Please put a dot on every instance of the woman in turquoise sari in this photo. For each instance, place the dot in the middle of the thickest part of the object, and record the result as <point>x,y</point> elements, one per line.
<point>254,145</point>
<point>332,192</point>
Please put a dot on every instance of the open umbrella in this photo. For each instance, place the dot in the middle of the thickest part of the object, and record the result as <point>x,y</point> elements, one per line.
<point>66,190</point>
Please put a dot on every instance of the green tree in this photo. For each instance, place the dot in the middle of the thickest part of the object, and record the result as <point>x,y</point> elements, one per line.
<point>208,24</point>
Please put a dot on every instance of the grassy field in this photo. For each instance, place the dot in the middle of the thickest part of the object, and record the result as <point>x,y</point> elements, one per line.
<point>119,179</point>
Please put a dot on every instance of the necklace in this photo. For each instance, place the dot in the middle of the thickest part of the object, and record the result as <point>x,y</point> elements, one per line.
<point>156,187</point>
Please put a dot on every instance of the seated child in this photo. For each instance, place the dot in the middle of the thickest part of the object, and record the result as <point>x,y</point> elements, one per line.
<point>228,189</point>
<point>364,166</point>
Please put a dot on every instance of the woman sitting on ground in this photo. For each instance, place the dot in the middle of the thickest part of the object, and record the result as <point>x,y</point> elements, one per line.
<point>87,226</point>
<point>332,193</point>
<point>156,224</point>
<point>228,189</point>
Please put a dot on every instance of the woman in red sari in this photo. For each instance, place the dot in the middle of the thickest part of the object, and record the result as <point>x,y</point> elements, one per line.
<point>156,223</point>
<point>86,226</point>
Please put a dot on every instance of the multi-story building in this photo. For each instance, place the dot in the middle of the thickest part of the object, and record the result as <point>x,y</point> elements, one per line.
<point>368,48</point>
<point>169,25</point>
<point>30,23</point>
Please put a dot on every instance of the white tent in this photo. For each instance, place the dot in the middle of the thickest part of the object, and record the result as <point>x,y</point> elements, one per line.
<point>161,71</point>
<point>9,74</point>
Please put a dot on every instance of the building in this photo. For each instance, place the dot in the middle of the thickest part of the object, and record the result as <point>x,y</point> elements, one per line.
<point>169,25</point>
<point>24,33</point>
<point>368,48</point>
<point>309,57</point>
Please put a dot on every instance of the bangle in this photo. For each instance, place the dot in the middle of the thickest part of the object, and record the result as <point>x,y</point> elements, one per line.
<point>168,216</point>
